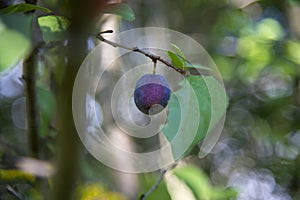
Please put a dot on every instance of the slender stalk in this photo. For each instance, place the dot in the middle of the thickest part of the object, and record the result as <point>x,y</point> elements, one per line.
<point>14,192</point>
<point>154,68</point>
<point>155,186</point>
<point>152,56</point>
<point>29,76</point>
<point>157,183</point>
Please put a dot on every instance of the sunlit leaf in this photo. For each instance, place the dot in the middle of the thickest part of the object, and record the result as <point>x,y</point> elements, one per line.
<point>122,10</point>
<point>251,48</point>
<point>177,189</point>
<point>195,179</point>
<point>176,60</point>
<point>53,27</point>
<point>15,175</point>
<point>269,29</point>
<point>193,111</point>
<point>200,184</point>
<point>14,39</point>
<point>10,56</point>
<point>96,190</point>
<point>23,7</point>
<point>293,51</point>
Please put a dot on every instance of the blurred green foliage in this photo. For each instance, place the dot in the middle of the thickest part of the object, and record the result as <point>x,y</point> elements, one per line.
<point>54,28</point>
<point>195,98</point>
<point>95,190</point>
<point>22,7</point>
<point>256,47</point>
<point>15,175</point>
<point>17,36</point>
<point>198,181</point>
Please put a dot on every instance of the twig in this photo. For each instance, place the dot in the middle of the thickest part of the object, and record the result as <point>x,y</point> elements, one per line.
<point>29,76</point>
<point>155,186</point>
<point>153,57</point>
<point>14,192</point>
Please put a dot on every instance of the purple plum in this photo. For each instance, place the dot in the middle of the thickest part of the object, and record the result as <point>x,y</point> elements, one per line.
<point>152,93</point>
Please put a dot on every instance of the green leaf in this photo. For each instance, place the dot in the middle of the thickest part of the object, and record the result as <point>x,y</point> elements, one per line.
<point>221,194</point>
<point>195,179</point>
<point>53,27</point>
<point>198,66</point>
<point>200,184</point>
<point>15,175</point>
<point>293,51</point>
<point>180,130</point>
<point>269,29</point>
<point>10,56</point>
<point>47,106</point>
<point>122,10</point>
<point>14,39</point>
<point>176,60</point>
<point>23,7</point>
<point>179,51</point>
<point>193,111</point>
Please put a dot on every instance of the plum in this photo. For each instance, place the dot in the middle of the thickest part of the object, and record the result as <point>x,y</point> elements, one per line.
<point>152,93</point>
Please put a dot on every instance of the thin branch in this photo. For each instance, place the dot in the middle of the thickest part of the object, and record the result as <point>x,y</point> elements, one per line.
<point>159,180</point>
<point>29,77</point>
<point>153,57</point>
<point>14,192</point>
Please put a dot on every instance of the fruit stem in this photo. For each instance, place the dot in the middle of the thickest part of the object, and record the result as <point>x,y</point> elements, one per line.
<point>154,66</point>
<point>153,57</point>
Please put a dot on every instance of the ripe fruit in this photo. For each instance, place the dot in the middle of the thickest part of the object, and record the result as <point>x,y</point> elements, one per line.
<point>152,93</point>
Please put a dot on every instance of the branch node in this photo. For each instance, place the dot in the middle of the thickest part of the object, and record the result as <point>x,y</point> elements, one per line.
<point>153,57</point>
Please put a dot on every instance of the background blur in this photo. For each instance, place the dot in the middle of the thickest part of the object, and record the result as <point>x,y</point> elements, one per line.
<point>256,46</point>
